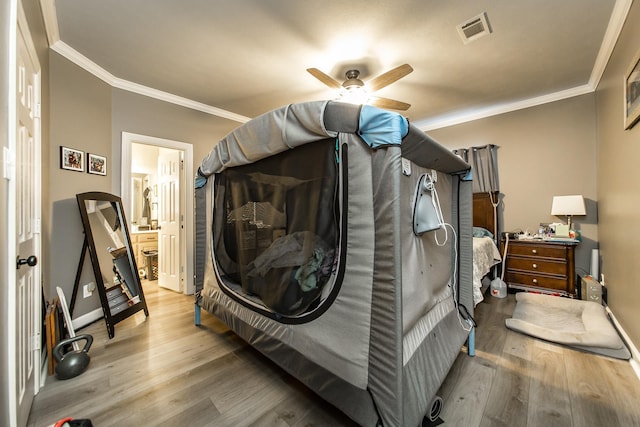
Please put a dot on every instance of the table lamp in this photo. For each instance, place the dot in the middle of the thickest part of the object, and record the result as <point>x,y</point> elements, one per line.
<point>568,205</point>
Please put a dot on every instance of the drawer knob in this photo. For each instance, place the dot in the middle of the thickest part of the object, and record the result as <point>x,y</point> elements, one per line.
<point>535,265</point>
<point>535,280</point>
<point>534,251</point>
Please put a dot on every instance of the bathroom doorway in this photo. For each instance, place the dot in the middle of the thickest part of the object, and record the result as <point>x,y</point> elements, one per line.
<point>157,176</point>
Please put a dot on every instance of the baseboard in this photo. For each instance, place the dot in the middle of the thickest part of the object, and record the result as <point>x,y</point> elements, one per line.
<point>44,370</point>
<point>635,354</point>
<point>87,319</point>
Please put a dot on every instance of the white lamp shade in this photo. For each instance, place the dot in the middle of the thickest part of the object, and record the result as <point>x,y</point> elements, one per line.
<point>568,205</point>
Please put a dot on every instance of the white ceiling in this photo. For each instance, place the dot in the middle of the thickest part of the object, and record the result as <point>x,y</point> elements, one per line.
<point>242,58</point>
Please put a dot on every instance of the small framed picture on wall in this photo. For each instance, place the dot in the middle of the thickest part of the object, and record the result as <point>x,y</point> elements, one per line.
<point>71,159</point>
<point>96,164</point>
<point>632,93</point>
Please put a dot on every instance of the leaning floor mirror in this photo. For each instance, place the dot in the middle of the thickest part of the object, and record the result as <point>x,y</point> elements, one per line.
<point>109,245</point>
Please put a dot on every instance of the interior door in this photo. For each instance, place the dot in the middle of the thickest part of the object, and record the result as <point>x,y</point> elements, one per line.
<point>27,297</point>
<point>169,219</point>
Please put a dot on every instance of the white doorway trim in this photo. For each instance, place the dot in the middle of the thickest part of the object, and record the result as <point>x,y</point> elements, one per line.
<point>125,191</point>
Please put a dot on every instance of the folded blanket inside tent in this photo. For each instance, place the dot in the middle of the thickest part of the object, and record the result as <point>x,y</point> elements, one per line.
<point>575,323</point>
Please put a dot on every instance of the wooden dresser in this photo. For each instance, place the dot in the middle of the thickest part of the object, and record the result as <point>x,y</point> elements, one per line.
<point>541,266</point>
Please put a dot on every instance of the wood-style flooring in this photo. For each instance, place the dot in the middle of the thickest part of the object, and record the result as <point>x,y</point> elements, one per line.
<point>164,371</point>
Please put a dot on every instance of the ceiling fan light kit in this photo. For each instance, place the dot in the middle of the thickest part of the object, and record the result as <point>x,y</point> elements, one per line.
<point>352,80</point>
<point>354,95</point>
<point>355,91</point>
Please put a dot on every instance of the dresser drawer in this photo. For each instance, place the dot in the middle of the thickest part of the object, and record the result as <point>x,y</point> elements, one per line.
<point>532,249</point>
<point>535,280</point>
<point>534,265</point>
<point>147,237</point>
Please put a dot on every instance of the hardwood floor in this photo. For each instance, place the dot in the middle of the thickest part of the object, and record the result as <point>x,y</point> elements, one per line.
<point>165,371</point>
<point>515,380</point>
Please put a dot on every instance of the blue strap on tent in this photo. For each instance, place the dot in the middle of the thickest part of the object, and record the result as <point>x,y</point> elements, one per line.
<point>379,128</point>
<point>200,180</point>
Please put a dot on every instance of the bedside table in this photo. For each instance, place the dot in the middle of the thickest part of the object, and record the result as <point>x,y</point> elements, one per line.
<point>541,266</point>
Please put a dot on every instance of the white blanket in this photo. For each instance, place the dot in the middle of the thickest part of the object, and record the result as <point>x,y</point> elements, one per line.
<point>485,256</point>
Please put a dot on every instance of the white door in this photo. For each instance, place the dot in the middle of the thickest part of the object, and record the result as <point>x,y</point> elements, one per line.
<point>169,219</point>
<point>27,295</point>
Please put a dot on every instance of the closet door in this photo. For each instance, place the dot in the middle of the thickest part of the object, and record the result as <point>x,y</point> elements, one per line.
<point>24,198</point>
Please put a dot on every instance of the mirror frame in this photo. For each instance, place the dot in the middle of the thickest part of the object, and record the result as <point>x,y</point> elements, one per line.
<point>89,244</point>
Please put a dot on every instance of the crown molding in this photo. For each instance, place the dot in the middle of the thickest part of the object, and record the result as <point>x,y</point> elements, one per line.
<point>85,63</point>
<point>50,18</point>
<point>616,23</point>
<point>614,28</point>
<point>494,110</point>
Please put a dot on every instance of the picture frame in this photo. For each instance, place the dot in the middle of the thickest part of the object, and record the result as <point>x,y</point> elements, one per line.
<point>71,159</point>
<point>632,93</point>
<point>96,164</point>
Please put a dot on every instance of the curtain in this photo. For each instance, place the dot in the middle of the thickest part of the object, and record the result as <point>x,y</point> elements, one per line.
<point>484,166</point>
<point>484,169</point>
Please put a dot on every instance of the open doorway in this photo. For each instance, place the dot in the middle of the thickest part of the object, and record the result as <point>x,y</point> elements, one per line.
<point>156,183</point>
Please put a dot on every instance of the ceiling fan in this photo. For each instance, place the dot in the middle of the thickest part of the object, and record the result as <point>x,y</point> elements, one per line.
<point>355,89</point>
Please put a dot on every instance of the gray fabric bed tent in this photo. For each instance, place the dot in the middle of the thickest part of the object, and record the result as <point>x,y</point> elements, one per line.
<point>306,248</point>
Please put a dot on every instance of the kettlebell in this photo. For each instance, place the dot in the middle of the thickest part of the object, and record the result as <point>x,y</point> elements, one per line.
<point>74,362</point>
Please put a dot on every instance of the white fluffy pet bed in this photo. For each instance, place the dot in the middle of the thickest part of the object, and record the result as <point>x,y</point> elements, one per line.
<point>575,323</point>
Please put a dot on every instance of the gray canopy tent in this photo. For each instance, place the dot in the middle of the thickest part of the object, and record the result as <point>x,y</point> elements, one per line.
<point>337,240</point>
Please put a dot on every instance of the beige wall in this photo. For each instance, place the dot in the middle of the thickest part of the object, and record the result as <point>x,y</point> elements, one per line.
<point>544,151</point>
<point>89,115</point>
<point>618,152</point>
<point>147,116</point>
<point>80,118</point>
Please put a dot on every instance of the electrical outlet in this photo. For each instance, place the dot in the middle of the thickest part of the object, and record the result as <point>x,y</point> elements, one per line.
<point>87,290</point>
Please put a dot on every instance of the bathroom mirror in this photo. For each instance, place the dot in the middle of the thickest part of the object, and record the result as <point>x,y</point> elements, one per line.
<point>137,199</point>
<point>109,245</point>
<point>144,205</point>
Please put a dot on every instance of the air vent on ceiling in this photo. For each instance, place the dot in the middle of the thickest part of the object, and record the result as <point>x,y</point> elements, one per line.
<point>474,28</point>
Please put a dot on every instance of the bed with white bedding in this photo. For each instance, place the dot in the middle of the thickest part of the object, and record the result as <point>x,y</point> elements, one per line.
<point>485,256</point>
<point>485,251</point>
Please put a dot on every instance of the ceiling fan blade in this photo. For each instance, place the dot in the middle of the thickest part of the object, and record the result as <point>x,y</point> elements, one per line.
<point>324,78</point>
<point>387,103</point>
<point>389,77</point>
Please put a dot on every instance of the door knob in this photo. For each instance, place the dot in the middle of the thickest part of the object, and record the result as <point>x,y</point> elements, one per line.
<point>30,261</point>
